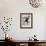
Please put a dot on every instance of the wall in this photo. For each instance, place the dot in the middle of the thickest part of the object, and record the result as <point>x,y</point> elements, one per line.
<point>13,8</point>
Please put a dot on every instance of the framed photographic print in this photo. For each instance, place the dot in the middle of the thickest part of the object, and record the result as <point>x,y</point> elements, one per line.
<point>26,20</point>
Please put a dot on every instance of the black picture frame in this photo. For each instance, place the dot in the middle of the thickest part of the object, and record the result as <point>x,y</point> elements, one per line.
<point>28,21</point>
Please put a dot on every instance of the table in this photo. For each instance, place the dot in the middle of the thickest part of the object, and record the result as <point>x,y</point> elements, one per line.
<point>26,42</point>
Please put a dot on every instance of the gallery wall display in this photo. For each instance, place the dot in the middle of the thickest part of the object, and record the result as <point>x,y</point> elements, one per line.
<point>26,20</point>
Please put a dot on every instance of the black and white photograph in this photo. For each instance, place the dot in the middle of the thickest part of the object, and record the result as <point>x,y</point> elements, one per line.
<point>26,20</point>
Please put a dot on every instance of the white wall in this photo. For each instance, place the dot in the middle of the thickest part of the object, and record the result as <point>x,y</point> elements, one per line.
<point>13,8</point>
